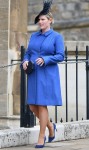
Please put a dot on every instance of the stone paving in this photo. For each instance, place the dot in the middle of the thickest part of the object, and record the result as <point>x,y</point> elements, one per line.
<point>81,144</point>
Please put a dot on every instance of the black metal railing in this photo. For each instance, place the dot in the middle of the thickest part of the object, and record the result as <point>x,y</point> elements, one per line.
<point>27,117</point>
<point>87,81</point>
<point>66,79</point>
<point>76,61</point>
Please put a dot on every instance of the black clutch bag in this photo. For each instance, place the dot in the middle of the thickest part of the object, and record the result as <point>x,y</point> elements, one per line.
<point>30,68</point>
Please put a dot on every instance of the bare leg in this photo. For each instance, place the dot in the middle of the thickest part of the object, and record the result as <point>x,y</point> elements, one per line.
<point>35,110</point>
<point>43,116</point>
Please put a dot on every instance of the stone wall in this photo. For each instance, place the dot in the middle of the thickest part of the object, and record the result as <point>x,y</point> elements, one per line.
<point>71,17</point>
<point>18,37</point>
<point>13,34</point>
<point>3,54</point>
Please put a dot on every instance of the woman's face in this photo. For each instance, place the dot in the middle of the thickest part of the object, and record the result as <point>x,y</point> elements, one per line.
<point>44,22</point>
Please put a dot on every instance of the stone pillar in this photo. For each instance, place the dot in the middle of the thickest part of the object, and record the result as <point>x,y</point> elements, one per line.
<point>13,28</point>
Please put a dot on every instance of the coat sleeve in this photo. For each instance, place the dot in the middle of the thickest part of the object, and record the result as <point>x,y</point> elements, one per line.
<point>59,52</point>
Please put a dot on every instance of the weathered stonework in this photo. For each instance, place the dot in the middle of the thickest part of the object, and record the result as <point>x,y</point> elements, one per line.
<point>18,37</point>
<point>71,17</point>
<point>13,33</point>
<point>65,131</point>
<point>3,55</point>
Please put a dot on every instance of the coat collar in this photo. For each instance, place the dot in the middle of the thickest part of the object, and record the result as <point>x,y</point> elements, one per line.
<point>46,33</point>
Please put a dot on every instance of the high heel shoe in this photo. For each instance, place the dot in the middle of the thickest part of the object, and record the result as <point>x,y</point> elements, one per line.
<point>50,139</point>
<point>41,146</point>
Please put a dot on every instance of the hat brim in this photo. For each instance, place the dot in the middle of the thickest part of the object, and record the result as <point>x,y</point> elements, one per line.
<point>40,14</point>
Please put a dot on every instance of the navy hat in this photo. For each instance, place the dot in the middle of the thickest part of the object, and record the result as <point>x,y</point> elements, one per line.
<point>45,11</point>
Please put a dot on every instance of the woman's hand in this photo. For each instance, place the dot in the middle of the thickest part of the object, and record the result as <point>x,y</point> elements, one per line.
<point>40,61</point>
<point>25,64</point>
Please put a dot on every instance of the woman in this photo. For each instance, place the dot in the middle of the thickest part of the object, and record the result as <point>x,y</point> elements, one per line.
<point>45,49</point>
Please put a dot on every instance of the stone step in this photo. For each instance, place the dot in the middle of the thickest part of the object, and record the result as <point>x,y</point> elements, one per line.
<point>25,136</point>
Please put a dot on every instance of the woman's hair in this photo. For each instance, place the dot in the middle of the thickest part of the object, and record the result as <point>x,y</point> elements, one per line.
<point>50,16</point>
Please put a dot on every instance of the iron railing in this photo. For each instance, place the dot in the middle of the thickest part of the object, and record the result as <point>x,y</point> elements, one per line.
<point>27,117</point>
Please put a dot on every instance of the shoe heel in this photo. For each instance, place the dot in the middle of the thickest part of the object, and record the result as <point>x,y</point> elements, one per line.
<point>50,139</point>
<point>41,146</point>
<point>55,128</point>
<point>44,139</point>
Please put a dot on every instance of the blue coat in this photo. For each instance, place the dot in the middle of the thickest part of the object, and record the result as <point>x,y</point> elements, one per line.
<point>43,85</point>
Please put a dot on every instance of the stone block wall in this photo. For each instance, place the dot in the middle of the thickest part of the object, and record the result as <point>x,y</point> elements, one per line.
<point>13,34</point>
<point>71,17</point>
<point>3,55</point>
<point>18,37</point>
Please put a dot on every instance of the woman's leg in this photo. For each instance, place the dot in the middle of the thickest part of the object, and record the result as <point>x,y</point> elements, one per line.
<point>35,110</point>
<point>43,117</point>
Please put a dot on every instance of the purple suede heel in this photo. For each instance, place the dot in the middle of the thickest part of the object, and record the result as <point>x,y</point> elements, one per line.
<point>50,139</point>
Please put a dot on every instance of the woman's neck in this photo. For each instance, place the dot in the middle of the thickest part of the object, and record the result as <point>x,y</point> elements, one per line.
<point>45,30</point>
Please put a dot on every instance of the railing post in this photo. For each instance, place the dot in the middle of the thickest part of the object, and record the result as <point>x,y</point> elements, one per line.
<point>66,83</point>
<point>76,83</point>
<point>27,118</point>
<point>55,114</point>
<point>87,81</point>
<point>22,91</point>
